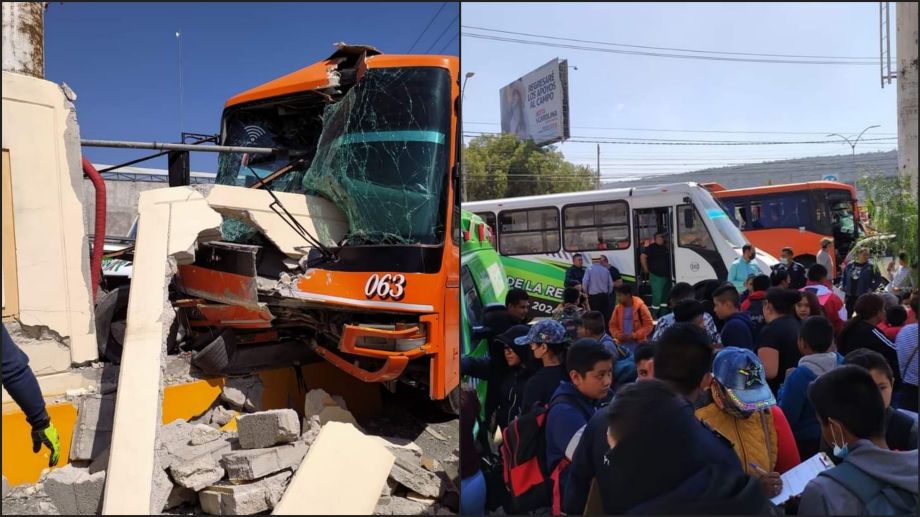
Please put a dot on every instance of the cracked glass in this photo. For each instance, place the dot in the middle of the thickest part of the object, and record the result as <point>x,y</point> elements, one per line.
<point>380,153</point>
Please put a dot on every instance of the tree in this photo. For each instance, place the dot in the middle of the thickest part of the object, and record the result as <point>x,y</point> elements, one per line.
<point>498,166</point>
<point>892,209</point>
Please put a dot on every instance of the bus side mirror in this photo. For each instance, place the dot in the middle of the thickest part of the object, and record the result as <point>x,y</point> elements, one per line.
<point>688,218</point>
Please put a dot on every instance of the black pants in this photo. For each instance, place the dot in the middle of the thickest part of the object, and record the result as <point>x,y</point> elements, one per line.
<point>601,303</point>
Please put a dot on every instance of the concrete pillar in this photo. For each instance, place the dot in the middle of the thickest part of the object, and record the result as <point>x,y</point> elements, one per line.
<point>906,39</point>
<point>24,38</point>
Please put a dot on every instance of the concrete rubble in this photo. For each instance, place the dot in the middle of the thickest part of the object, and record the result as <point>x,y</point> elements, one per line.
<point>252,464</point>
<point>267,428</point>
<point>74,491</point>
<point>92,433</point>
<point>202,434</point>
<point>245,499</point>
<point>198,473</point>
<point>243,392</point>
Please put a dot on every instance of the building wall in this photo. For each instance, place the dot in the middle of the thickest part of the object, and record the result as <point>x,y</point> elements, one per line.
<point>906,23</point>
<point>42,138</point>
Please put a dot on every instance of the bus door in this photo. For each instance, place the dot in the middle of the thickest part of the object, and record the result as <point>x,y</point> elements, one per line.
<point>646,223</point>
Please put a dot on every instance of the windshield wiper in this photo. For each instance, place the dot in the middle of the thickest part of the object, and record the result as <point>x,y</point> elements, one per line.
<point>277,207</point>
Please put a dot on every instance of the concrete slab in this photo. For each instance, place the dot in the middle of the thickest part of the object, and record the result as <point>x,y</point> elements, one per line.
<point>267,428</point>
<point>243,392</point>
<point>253,464</point>
<point>92,432</point>
<point>319,216</point>
<point>202,434</point>
<point>171,221</point>
<point>343,473</point>
<point>414,477</point>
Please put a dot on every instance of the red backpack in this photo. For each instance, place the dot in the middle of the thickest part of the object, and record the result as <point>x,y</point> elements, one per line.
<point>527,476</point>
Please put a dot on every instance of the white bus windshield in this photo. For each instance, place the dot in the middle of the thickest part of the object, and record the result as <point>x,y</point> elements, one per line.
<point>726,228</point>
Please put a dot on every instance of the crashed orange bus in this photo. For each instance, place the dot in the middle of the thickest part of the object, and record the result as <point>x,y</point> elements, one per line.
<point>794,214</point>
<point>375,135</point>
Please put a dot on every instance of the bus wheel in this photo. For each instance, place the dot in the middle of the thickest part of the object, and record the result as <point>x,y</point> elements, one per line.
<point>451,404</point>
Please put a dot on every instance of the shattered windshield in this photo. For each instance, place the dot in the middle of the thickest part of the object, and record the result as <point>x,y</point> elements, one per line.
<point>383,156</point>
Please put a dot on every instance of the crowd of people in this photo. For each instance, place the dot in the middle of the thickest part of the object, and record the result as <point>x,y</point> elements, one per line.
<point>701,408</point>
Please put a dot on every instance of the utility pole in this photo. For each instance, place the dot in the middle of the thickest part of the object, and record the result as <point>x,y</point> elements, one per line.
<point>24,38</point>
<point>179,65</point>
<point>906,45</point>
<point>598,186</point>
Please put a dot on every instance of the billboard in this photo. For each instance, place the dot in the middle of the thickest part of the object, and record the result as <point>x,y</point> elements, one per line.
<point>536,106</point>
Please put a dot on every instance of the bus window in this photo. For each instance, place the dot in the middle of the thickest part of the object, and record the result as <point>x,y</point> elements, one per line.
<point>691,231</point>
<point>488,218</point>
<point>527,232</point>
<point>596,226</point>
<point>786,210</point>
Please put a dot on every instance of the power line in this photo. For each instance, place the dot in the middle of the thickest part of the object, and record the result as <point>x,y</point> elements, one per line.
<point>427,27</point>
<point>658,141</point>
<point>449,25</point>
<point>442,49</point>
<point>658,48</point>
<point>659,54</point>
<point>694,130</point>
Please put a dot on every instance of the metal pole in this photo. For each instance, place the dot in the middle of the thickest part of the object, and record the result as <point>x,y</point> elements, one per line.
<point>180,147</point>
<point>881,51</point>
<point>888,39</point>
<point>179,64</point>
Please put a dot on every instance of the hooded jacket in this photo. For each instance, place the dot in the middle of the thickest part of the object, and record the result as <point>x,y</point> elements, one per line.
<point>793,399</point>
<point>833,306</point>
<point>860,278</point>
<point>678,446</point>
<point>738,331</point>
<point>713,490</point>
<point>824,496</point>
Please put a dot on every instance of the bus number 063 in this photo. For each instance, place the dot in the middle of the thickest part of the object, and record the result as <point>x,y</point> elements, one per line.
<point>386,286</point>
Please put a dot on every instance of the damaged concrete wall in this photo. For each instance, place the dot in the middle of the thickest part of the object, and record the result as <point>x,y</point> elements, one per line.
<point>40,132</point>
<point>24,38</point>
<point>172,223</point>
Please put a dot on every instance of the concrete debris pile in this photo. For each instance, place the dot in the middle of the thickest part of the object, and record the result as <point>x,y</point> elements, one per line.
<point>242,462</point>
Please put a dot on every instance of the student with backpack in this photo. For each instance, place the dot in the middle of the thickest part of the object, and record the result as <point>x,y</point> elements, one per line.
<point>753,305</point>
<point>569,313</point>
<point>871,479</point>
<point>815,340</point>
<point>900,429</point>
<point>624,368</point>
<point>590,370</point>
<point>548,343</point>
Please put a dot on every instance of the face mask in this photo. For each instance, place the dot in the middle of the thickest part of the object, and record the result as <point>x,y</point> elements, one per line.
<point>840,452</point>
<point>784,261</point>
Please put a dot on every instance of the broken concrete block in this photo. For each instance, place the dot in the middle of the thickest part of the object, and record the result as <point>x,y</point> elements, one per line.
<point>173,447</point>
<point>243,392</point>
<point>341,459</point>
<point>219,415</point>
<point>202,434</point>
<point>253,464</point>
<point>92,433</point>
<point>267,428</point>
<point>198,473</point>
<point>414,477</point>
<point>430,464</point>
<point>245,499</point>
<point>316,400</point>
<point>74,491</point>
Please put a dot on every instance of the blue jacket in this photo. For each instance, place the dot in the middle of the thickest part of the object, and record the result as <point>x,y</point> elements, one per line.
<point>739,271</point>
<point>738,331</point>
<point>793,399</point>
<point>860,278</point>
<point>570,412</point>
<point>21,384</point>
<point>574,275</point>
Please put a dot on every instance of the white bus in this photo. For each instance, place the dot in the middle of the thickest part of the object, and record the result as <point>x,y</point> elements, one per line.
<point>538,235</point>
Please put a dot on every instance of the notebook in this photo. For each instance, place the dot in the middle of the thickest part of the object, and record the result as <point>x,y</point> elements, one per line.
<point>795,479</point>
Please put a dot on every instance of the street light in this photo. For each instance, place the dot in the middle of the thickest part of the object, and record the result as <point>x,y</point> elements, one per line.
<point>463,88</point>
<point>853,144</point>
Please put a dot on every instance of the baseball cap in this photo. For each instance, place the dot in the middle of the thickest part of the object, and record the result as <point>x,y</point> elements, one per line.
<point>545,331</point>
<point>742,375</point>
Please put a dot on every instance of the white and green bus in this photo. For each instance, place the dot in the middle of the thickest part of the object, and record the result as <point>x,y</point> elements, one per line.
<point>538,235</point>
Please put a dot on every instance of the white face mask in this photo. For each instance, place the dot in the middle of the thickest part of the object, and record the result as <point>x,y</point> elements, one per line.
<point>839,451</point>
<point>783,260</point>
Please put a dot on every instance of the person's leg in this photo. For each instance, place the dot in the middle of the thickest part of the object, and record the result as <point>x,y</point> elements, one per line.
<point>473,495</point>
<point>658,284</point>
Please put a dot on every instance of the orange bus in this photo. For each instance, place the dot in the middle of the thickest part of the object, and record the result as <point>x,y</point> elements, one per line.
<point>377,136</point>
<point>795,214</point>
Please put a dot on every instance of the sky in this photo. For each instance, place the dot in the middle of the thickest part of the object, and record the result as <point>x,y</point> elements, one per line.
<point>610,90</point>
<point>122,59</point>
